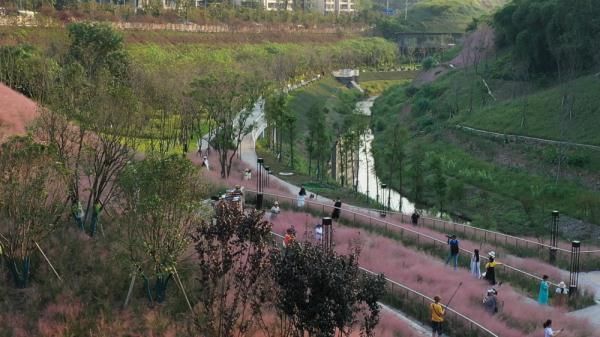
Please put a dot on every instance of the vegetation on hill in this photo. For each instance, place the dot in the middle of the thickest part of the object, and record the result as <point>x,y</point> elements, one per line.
<point>118,227</point>
<point>452,16</point>
<point>550,36</point>
<point>538,84</point>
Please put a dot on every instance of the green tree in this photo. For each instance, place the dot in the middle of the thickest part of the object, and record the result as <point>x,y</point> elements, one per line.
<point>97,47</point>
<point>416,172</point>
<point>233,258</point>
<point>275,113</point>
<point>161,205</point>
<point>438,181</point>
<point>228,98</point>
<point>317,292</point>
<point>33,184</point>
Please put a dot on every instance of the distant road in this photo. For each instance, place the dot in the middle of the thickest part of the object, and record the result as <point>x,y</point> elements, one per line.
<point>535,139</point>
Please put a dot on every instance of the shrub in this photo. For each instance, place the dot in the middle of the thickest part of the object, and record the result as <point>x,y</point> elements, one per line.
<point>428,63</point>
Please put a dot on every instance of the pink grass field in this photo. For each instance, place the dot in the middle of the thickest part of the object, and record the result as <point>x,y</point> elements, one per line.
<point>519,316</point>
<point>531,265</point>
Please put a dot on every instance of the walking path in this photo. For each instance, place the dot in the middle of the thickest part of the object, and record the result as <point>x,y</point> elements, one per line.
<point>249,157</point>
<point>535,139</point>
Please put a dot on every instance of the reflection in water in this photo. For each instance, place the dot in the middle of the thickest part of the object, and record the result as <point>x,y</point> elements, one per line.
<point>368,183</point>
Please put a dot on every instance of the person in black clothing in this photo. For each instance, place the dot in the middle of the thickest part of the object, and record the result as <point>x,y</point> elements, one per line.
<point>415,218</point>
<point>336,209</point>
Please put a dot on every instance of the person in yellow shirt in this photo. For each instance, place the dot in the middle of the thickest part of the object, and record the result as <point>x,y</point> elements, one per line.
<point>437,316</point>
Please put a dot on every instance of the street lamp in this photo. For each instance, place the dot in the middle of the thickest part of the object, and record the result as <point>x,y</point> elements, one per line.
<point>574,268</point>
<point>259,183</point>
<point>553,236</point>
<point>267,172</point>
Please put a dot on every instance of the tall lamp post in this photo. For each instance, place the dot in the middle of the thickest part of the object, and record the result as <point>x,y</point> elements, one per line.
<point>553,236</point>
<point>327,233</point>
<point>574,268</point>
<point>267,173</point>
<point>259,183</point>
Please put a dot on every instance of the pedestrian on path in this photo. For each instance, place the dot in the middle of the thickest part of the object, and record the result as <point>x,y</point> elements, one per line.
<point>415,218</point>
<point>454,249</point>
<point>337,206</point>
<point>490,268</point>
<point>543,295</point>
<point>548,332</point>
<point>301,196</point>
<point>437,316</point>
<point>475,264</point>
<point>205,163</point>
<point>560,299</point>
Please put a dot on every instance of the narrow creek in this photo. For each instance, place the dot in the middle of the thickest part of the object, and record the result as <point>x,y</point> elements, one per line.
<point>368,182</point>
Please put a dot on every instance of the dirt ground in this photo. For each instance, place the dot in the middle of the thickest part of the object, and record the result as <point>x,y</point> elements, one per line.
<point>16,111</point>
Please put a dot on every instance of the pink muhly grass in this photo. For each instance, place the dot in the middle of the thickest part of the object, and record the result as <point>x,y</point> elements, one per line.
<point>427,274</point>
<point>55,319</point>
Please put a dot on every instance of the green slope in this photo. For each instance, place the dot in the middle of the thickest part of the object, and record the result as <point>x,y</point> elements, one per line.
<point>448,15</point>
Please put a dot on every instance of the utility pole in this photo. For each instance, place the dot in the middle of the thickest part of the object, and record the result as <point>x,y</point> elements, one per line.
<point>406,10</point>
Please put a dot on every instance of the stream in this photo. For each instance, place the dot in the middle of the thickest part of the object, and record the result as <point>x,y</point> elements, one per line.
<point>368,182</point>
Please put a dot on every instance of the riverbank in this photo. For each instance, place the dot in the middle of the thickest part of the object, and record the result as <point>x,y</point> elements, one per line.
<point>498,185</point>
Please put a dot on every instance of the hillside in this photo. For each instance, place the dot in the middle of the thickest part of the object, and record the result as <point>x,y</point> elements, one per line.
<point>438,16</point>
<point>505,183</point>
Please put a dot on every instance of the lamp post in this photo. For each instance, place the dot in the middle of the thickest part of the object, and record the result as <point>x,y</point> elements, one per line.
<point>327,233</point>
<point>553,236</point>
<point>267,173</point>
<point>574,268</point>
<point>383,190</point>
<point>259,183</point>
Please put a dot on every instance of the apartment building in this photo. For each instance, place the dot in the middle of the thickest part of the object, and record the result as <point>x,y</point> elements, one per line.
<point>336,6</point>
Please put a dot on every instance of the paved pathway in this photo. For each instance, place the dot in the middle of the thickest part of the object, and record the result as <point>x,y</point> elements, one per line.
<point>592,313</point>
<point>248,155</point>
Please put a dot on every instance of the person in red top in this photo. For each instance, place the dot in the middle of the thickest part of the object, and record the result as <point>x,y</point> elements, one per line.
<point>289,238</point>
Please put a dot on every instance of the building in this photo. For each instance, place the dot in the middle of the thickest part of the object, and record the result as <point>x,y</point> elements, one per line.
<point>336,6</point>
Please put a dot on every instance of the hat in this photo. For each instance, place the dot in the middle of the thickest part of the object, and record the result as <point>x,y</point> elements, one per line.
<point>276,203</point>
<point>492,254</point>
<point>562,284</point>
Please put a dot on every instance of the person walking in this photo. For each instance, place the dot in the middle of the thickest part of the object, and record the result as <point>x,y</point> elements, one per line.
<point>562,292</point>
<point>490,268</point>
<point>437,316</point>
<point>548,332</point>
<point>337,206</point>
<point>205,163</point>
<point>475,264</point>
<point>543,295</point>
<point>415,218</point>
<point>454,249</point>
<point>301,196</point>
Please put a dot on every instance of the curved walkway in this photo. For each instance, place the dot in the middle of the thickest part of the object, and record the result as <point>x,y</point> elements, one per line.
<point>534,139</point>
